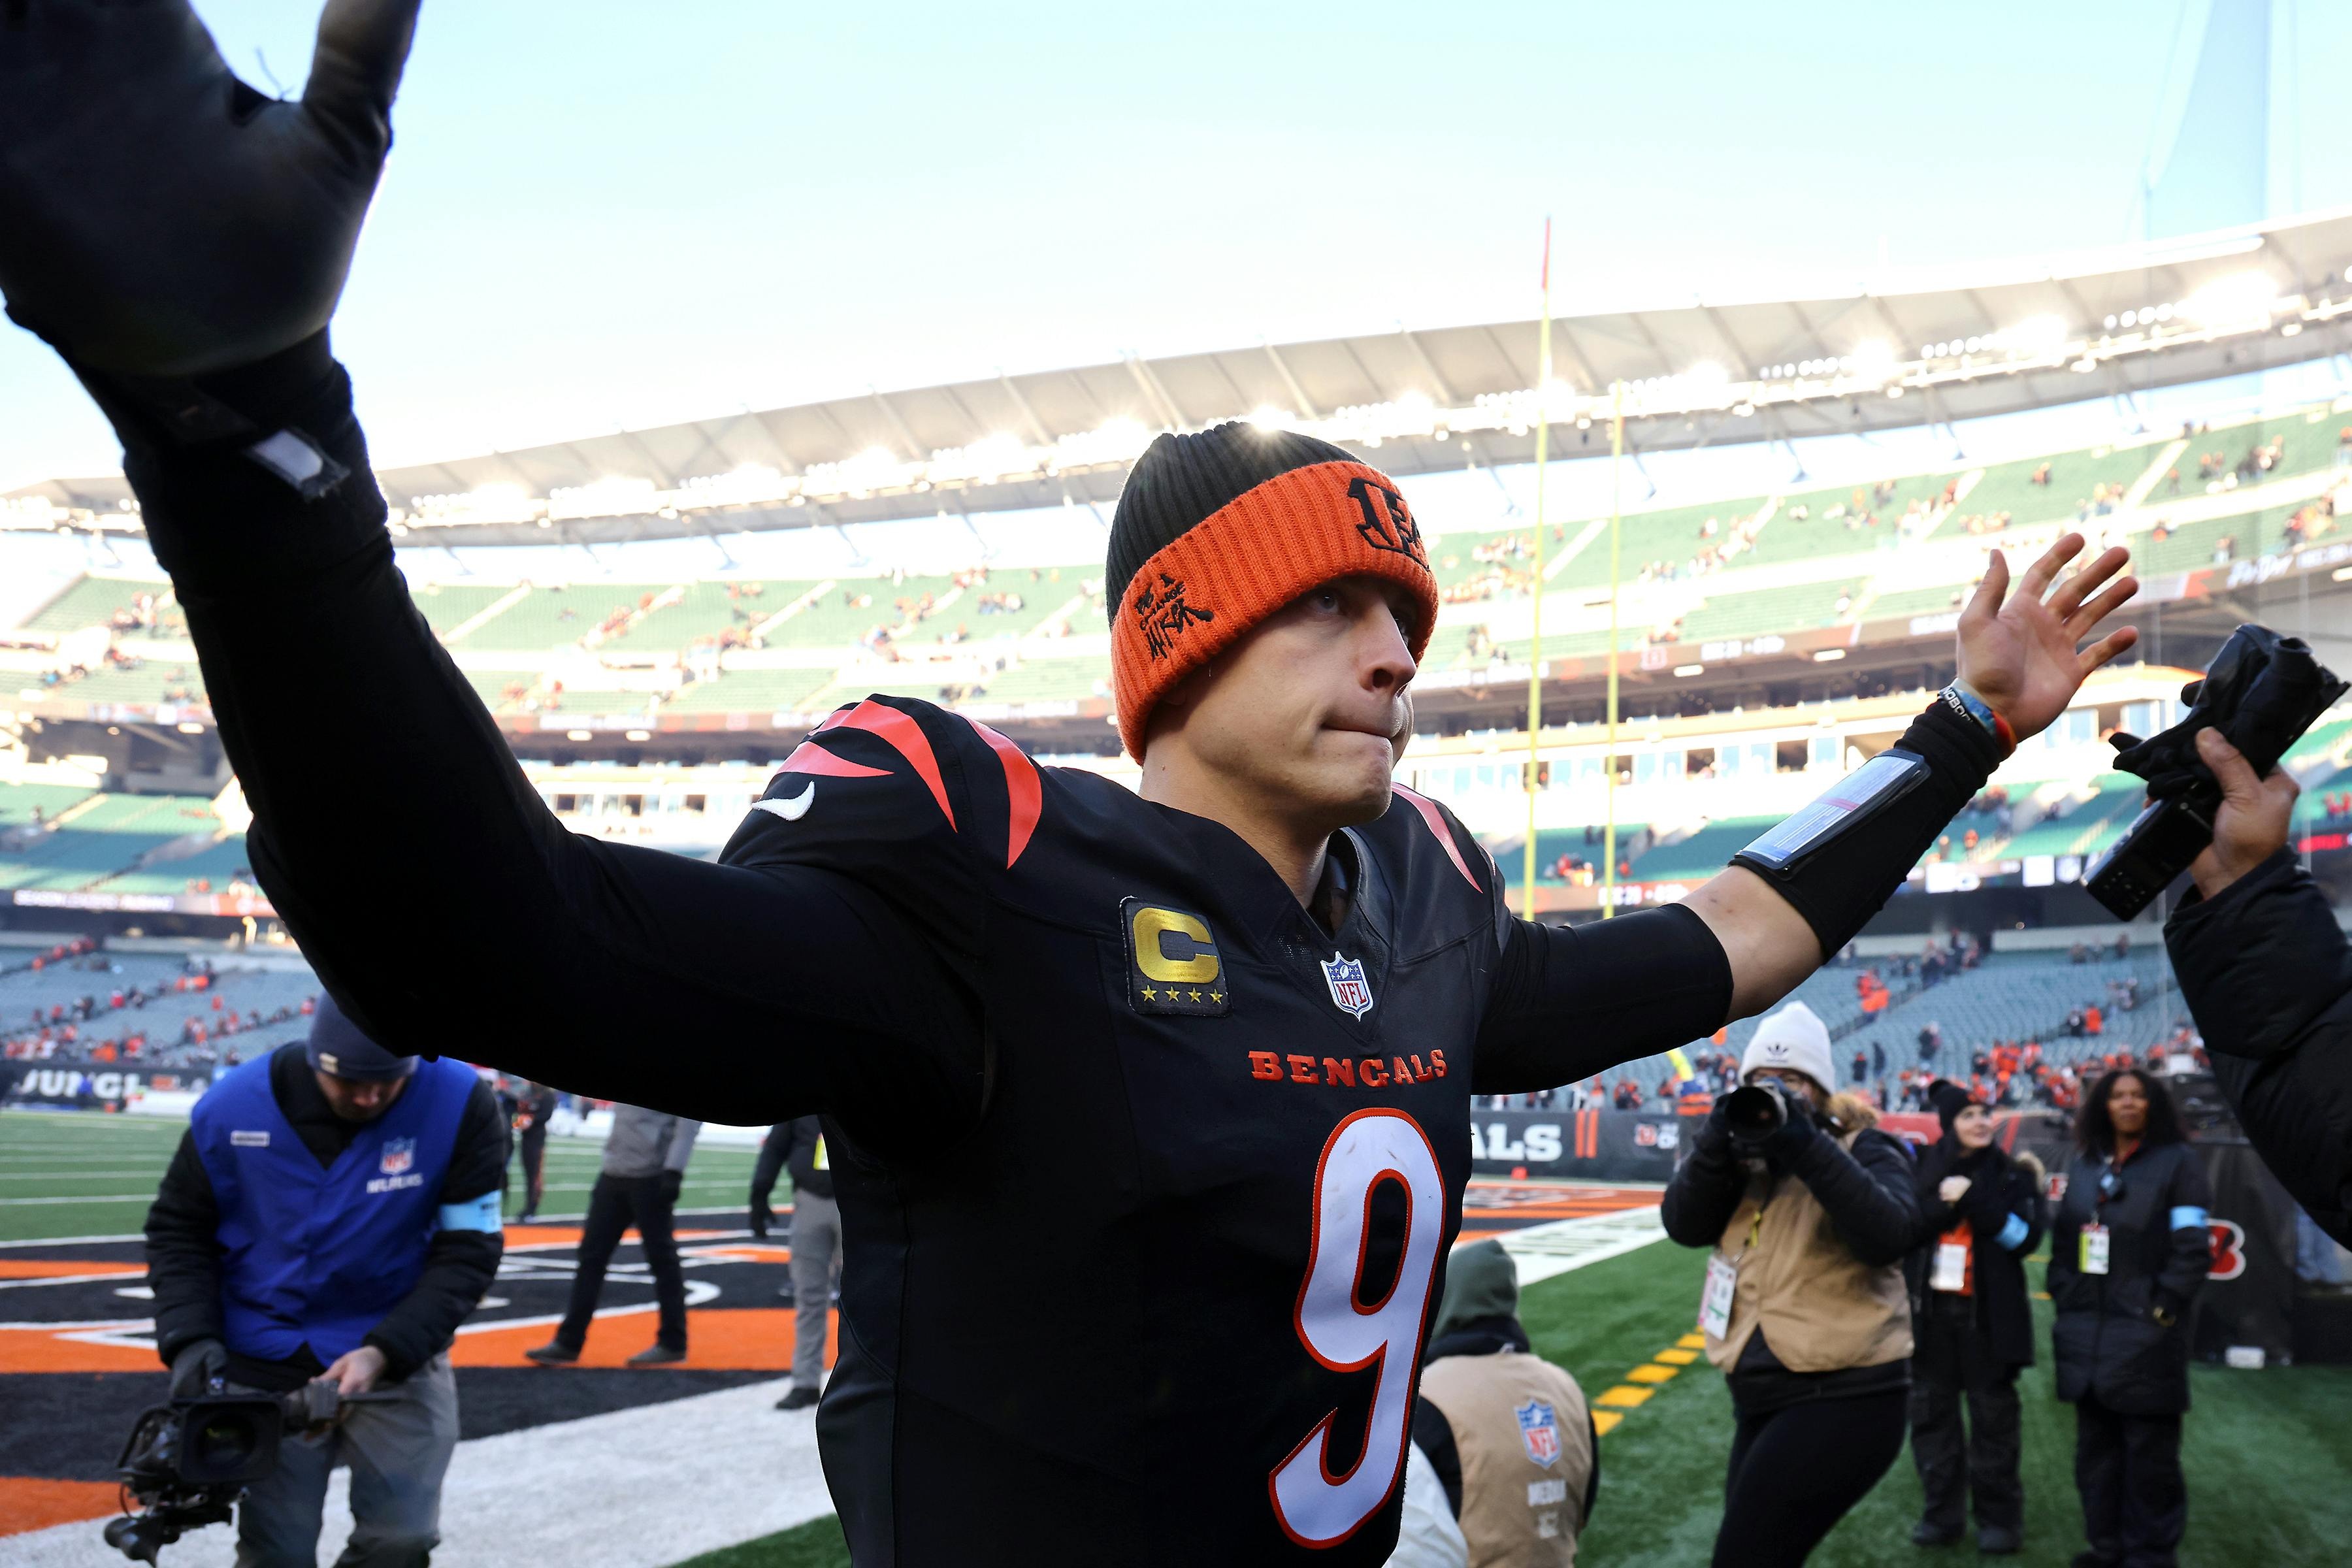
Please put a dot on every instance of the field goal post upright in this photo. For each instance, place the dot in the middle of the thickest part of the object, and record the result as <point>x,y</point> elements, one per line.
<point>1535,640</point>
<point>1609,764</point>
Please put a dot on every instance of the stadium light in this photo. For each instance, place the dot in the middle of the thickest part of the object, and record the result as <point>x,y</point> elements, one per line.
<point>2232,299</point>
<point>579,735</point>
<point>1828,655</point>
<point>1874,360</point>
<point>640,734</point>
<point>1266,417</point>
<point>2037,335</point>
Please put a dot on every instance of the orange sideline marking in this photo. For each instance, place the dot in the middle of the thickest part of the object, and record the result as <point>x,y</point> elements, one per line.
<point>742,1339</point>
<point>57,1269</point>
<point>28,1504</point>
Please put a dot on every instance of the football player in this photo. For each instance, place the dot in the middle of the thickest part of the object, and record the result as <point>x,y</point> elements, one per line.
<point>1147,1112</point>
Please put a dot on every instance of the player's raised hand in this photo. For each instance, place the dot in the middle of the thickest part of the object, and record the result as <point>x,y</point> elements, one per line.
<point>2023,652</point>
<point>160,217</point>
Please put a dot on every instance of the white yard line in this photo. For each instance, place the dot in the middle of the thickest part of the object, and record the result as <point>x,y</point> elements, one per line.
<point>1542,1251</point>
<point>647,1486</point>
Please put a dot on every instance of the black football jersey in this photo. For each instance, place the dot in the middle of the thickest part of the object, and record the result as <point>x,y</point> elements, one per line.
<point>1171,1290</point>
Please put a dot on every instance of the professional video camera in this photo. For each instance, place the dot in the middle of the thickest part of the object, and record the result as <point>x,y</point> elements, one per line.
<point>186,1463</point>
<point>2262,692</point>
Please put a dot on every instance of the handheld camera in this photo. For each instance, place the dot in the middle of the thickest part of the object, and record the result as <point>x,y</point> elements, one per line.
<point>2262,692</point>
<point>186,1463</point>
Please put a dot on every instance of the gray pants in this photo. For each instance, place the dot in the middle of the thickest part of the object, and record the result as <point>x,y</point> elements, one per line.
<point>398,1451</point>
<point>816,1264</point>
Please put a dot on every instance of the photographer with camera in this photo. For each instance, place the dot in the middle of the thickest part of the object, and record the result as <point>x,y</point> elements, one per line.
<point>1980,1216</point>
<point>1809,1211</point>
<point>2129,1250</point>
<point>332,1215</point>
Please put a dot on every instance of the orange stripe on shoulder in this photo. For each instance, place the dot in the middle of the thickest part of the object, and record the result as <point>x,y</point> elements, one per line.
<point>905,736</point>
<point>1436,821</point>
<point>808,757</point>
<point>1023,788</point>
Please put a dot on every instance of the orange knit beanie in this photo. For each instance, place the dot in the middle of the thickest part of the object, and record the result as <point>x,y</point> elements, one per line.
<point>1216,530</point>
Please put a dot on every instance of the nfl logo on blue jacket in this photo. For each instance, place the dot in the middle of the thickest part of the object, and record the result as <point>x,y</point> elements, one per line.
<point>1539,1430</point>
<point>399,1153</point>
<point>1350,991</point>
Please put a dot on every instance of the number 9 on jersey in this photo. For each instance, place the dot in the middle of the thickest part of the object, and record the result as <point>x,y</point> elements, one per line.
<point>1347,1333</point>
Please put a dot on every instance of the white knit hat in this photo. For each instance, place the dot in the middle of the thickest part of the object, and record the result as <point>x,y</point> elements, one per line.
<point>1792,1037</point>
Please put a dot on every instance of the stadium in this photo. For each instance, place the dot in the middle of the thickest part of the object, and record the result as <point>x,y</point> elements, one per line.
<point>1695,563</point>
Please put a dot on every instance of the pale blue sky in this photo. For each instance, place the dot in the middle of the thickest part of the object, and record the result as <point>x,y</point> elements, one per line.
<point>602,213</point>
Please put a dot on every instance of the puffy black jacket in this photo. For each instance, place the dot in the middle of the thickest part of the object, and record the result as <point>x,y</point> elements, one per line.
<point>2002,1189</point>
<point>2107,1341</point>
<point>2267,974</point>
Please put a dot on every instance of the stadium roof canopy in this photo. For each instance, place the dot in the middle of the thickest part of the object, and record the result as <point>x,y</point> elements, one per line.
<point>1961,342</point>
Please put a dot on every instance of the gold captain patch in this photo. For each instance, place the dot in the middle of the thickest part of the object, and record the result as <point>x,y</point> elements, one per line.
<point>1173,963</point>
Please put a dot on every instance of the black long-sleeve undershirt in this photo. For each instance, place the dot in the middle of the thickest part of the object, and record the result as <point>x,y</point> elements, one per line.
<point>184,1229</point>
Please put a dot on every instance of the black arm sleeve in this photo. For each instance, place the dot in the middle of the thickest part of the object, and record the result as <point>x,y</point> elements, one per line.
<point>2267,974</point>
<point>1867,1193</point>
<point>184,1254</point>
<point>1704,1194</point>
<point>399,839</point>
<point>1572,1001</point>
<point>458,1264</point>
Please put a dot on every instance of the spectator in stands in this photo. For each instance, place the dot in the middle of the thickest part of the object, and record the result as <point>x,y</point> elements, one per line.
<point>2268,977</point>
<point>644,1170</point>
<point>1980,1216</point>
<point>2128,1251</point>
<point>1805,1309</point>
<point>1508,1434</point>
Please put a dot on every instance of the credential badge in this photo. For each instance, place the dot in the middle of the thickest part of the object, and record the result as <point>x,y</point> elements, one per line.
<point>1351,993</point>
<point>1539,1430</point>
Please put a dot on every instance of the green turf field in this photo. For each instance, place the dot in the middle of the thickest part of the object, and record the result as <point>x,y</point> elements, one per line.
<point>2268,1454</point>
<point>72,1173</point>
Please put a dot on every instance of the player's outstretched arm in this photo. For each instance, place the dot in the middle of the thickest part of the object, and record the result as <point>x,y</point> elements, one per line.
<point>1799,894</point>
<point>181,242</point>
<point>1571,1002</point>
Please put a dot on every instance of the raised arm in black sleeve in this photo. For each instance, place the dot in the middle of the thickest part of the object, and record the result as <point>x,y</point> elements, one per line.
<point>184,1254</point>
<point>1572,1001</point>
<point>463,1257</point>
<point>2267,974</point>
<point>426,880</point>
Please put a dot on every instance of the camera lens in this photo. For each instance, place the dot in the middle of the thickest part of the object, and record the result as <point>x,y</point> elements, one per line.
<point>223,1443</point>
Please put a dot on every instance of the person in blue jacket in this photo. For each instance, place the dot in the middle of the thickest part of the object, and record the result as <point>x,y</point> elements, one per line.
<point>332,1213</point>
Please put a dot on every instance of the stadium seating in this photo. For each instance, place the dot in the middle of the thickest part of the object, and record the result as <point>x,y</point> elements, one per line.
<point>99,836</point>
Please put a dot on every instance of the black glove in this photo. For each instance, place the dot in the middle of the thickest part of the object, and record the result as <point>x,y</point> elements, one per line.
<point>193,1369</point>
<point>1787,1143</point>
<point>672,1183</point>
<point>158,217</point>
<point>1714,1132</point>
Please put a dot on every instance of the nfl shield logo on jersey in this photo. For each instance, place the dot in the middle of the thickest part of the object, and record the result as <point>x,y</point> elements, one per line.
<point>1539,1430</point>
<point>399,1153</point>
<point>1350,991</point>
